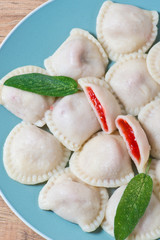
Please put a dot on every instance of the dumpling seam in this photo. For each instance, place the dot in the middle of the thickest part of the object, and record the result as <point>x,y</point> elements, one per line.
<point>51,182</point>
<point>151,60</point>
<point>147,110</point>
<point>94,181</point>
<point>86,34</point>
<point>97,221</point>
<point>107,227</point>
<point>63,139</point>
<point>28,179</point>
<point>113,70</point>
<point>103,200</point>
<point>113,55</point>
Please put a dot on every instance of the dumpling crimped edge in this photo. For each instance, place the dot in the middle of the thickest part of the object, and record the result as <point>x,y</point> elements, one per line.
<point>103,197</point>
<point>12,171</point>
<point>113,55</point>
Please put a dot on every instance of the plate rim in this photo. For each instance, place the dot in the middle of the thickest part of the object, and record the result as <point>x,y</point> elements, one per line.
<point>22,20</point>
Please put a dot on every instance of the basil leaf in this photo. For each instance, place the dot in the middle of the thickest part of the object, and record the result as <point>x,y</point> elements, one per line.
<point>132,205</point>
<point>57,86</point>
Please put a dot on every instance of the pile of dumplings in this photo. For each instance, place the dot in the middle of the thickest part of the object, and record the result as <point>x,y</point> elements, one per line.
<point>98,131</point>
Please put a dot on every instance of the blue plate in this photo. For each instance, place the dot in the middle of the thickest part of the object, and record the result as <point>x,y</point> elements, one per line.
<point>34,39</point>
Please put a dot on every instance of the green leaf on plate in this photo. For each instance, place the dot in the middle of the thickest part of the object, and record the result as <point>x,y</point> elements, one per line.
<point>132,205</point>
<point>57,86</point>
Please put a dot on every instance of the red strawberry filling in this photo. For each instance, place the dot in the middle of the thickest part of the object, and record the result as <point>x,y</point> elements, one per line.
<point>130,138</point>
<point>98,107</point>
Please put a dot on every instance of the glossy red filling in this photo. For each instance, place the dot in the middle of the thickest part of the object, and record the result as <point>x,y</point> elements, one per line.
<point>96,103</point>
<point>130,138</point>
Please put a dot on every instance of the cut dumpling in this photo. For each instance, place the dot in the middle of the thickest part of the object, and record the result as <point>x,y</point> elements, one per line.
<point>31,155</point>
<point>153,60</point>
<point>132,83</point>
<point>103,102</point>
<point>154,171</point>
<point>74,201</point>
<point>103,161</point>
<point>124,29</point>
<point>135,139</point>
<point>72,120</point>
<point>26,105</point>
<point>149,118</point>
<point>148,226</point>
<point>81,55</point>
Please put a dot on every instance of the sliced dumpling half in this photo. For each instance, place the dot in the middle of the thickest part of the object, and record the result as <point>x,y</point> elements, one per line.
<point>81,55</point>
<point>124,29</point>
<point>135,139</point>
<point>154,171</point>
<point>103,102</point>
<point>132,83</point>
<point>103,161</point>
<point>148,226</point>
<point>31,155</point>
<point>149,118</point>
<point>72,120</point>
<point>74,201</point>
<point>28,106</point>
<point>153,60</point>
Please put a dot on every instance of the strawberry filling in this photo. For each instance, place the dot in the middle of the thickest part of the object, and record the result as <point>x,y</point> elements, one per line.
<point>98,107</point>
<point>51,108</point>
<point>130,138</point>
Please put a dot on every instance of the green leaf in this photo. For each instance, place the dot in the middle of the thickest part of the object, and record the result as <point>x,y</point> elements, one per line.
<point>57,86</point>
<point>132,205</point>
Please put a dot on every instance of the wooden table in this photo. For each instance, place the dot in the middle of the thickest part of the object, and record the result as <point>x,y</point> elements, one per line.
<point>11,12</point>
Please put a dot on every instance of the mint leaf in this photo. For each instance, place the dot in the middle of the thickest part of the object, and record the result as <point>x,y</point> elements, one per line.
<point>57,86</point>
<point>132,205</point>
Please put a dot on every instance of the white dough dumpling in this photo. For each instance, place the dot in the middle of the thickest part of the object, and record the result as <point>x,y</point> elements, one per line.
<point>148,226</point>
<point>154,171</point>
<point>124,29</point>
<point>81,55</point>
<point>153,62</point>
<point>72,120</point>
<point>132,83</point>
<point>74,201</point>
<point>103,102</point>
<point>149,118</point>
<point>32,155</point>
<point>135,139</point>
<point>103,161</point>
<point>28,106</point>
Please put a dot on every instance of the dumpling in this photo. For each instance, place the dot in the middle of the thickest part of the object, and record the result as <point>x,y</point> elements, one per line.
<point>31,155</point>
<point>103,161</point>
<point>154,171</point>
<point>103,102</point>
<point>148,226</point>
<point>112,204</point>
<point>74,201</point>
<point>149,118</point>
<point>124,29</point>
<point>131,82</point>
<point>135,139</point>
<point>26,105</point>
<point>153,60</point>
<point>81,55</point>
<point>72,120</point>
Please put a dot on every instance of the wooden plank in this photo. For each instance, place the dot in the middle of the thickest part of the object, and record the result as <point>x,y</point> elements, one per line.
<point>11,12</point>
<point>12,228</point>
